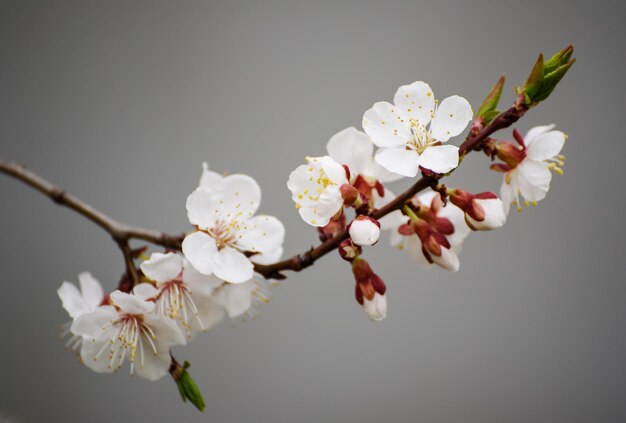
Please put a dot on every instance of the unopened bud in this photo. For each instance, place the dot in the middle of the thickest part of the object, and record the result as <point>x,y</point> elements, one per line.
<point>483,211</point>
<point>369,290</point>
<point>348,250</point>
<point>349,194</point>
<point>187,387</point>
<point>376,309</point>
<point>364,230</point>
<point>487,213</point>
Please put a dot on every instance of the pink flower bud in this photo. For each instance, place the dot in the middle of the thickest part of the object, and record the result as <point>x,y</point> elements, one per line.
<point>483,211</point>
<point>349,194</point>
<point>436,247</point>
<point>348,251</point>
<point>364,230</point>
<point>376,309</point>
<point>491,210</point>
<point>369,290</point>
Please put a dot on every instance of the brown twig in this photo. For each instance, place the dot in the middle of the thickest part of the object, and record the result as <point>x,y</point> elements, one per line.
<point>122,233</point>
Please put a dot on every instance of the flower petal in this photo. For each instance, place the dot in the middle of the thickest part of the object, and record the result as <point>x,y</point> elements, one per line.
<point>268,257</point>
<point>413,247</point>
<point>440,158</point>
<point>333,170</point>
<point>546,146</point>
<point>263,234</point>
<point>448,260</point>
<point>200,249</point>
<point>302,184</point>
<point>145,291</point>
<point>91,290</point>
<point>210,313</point>
<point>91,357</point>
<point>72,301</point>
<point>381,174</point>
<point>398,160</point>
<point>453,115</point>
<point>352,148</point>
<point>131,304</point>
<point>456,216</point>
<point>311,215</point>
<point>236,299</point>
<point>533,179</point>
<point>416,101</point>
<point>198,282</point>
<point>494,215</point>
<point>162,267</point>
<point>533,133</point>
<point>232,266</point>
<point>166,331</point>
<point>238,195</point>
<point>386,125</point>
<point>153,364</point>
<point>90,325</point>
<point>201,209</point>
<point>209,180</point>
<point>508,192</point>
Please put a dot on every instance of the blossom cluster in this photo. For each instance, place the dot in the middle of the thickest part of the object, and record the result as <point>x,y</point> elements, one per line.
<point>213,274</point>
<point>179,295</point>
<point>412,136</point>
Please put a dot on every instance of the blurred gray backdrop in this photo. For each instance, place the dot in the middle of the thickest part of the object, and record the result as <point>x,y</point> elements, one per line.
<point>120,102</point>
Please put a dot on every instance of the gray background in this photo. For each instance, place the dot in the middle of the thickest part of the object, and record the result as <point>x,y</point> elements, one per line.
<point>119,102</point>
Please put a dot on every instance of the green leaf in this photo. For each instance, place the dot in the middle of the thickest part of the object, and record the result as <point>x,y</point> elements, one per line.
<point>558,60</point>
<point>488,109</point>
<point>535,78</point>
<point>551,80</point>
<point>545,76</point>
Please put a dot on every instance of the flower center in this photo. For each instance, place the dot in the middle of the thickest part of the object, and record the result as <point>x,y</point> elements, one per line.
<point>175,301</point>
<point>225,233</point>
<point>130,333</point>
<point>421,137</point>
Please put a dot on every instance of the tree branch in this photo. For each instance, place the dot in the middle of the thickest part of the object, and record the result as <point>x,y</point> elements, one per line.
<point>122,233</point>
<point>118,231</point>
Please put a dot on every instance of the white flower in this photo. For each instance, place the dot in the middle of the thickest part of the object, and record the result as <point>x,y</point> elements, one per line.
<point>315,188</point>
<point>355,149</point>
<point>182,293</point>
<point>77,303</point>
<point>364,230</point>
<point>411,131</point>
<point>127,329</point>
<point>209,179</point>
<point>243,299</point>
<point>527,166</point>
<point>376,309</point>
<point>227,230</point>
<point>435,236</point>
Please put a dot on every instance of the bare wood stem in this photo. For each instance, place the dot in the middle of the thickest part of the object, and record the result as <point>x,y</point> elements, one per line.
<point>122,233</point>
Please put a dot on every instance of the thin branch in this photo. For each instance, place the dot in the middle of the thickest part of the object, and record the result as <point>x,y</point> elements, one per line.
<point>118,231</point>
<point>473,140</point>
<point>122,233</point>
